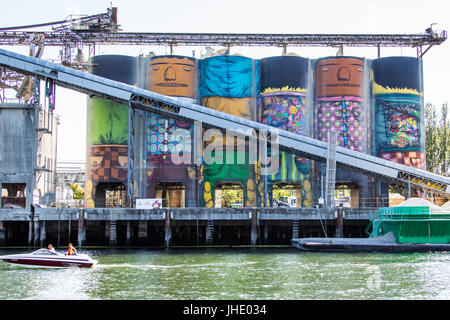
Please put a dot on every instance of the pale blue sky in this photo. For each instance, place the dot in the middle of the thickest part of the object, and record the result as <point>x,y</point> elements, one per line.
<point>240,16</point>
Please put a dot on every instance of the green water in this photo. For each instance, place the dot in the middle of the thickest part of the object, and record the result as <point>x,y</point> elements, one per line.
<point>249,273</point>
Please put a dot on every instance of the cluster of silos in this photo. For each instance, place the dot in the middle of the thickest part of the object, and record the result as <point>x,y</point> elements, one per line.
<point>399,110</point>
<point>284,105</point>
<point>173,181</point>
<point>375,106</point>
<point>107,134</point>
<point>229,83</point>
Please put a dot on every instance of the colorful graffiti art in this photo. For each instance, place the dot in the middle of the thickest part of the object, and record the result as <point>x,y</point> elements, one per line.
<point>107,141</point>
<point>340,103</point>
<point>286,112</point>
<point>283,100</point>
<point>399,129</point>
<point>215,173</point>
<point>414,159</point>
<point>229,76</point>
<point>160,168</point>
<point>343,115</point>
<point>229,84</point>
<point>107,127</point>
<point>173,76</point>
<point>241,107</point>
<point>167,135</point>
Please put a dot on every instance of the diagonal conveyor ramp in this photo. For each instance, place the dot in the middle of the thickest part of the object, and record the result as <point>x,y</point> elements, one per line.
<point>150,101</point>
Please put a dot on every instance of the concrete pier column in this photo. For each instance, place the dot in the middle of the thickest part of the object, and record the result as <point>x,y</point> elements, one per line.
<point>30,233</point>
<point>42,232</point>
<point>81,228</point>
<point>142,231</point>
<point>167,228</point>
<point>339,222</point>
<point>112,232</point>
<point>2,234</point>
<point>254,221</point>
<point>36,230</point>
<point>266,233</point>
<point>128,239</point>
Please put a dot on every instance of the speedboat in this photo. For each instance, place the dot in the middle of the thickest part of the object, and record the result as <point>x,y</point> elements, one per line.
<point>49,259</point>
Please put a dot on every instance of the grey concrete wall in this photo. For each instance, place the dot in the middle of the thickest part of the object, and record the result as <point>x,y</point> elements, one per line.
<point>18,139</point>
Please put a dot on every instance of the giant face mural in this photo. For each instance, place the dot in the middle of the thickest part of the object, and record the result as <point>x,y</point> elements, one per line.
<point>340,101</point>
<point>398,92</point>
<point>340,77</point>
<point>283,101</point>
<point>173,76</point>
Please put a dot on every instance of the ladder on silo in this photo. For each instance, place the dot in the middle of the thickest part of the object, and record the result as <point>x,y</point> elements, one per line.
<point>330,170</point>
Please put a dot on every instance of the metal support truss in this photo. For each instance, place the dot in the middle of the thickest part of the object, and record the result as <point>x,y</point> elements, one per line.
<point>421,182</point>
<point>131,155</point>
<point>227,40</point>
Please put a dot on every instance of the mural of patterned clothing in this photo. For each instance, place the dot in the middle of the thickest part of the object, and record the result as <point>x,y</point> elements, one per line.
<point>343,115</point>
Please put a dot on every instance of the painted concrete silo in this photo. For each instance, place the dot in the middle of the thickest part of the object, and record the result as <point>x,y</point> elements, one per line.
<point>229,84</point>
<point>175,183</point>
<point>107,136</point>
<point>399,110</point>
<point>340,105</point>
<point>283,103</point>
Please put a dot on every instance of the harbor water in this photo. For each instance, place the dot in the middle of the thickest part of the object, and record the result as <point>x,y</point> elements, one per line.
<point>232,273</point>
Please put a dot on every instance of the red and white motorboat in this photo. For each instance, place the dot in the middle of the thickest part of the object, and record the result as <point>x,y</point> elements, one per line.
<point>49,259</point>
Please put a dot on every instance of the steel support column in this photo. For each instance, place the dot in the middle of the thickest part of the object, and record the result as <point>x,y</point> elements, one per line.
<point>131,140</point>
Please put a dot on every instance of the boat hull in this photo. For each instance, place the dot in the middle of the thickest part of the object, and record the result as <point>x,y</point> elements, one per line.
<point>379,244</point>
<point>38,262</point>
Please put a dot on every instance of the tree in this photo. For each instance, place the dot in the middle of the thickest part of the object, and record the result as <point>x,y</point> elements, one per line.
<point>443,154</point>
<point>431,146</point>
<point>437,139</point>
<point>78,192</point>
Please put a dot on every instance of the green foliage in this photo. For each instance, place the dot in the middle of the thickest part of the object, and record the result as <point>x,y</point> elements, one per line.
<point>78,192</point>
<point>283,193</point>
<point>230,196</point>
<point>437,139</point>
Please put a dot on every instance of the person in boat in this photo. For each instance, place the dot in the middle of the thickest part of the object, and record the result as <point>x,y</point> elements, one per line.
<point>50,248</point>
<point>71,251</point>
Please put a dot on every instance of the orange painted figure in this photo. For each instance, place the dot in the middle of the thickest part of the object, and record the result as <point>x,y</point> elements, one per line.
<point>340,77</point>
<point>172,76</point>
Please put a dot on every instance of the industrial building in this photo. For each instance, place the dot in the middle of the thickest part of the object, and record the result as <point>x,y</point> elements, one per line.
<point>347,126</point>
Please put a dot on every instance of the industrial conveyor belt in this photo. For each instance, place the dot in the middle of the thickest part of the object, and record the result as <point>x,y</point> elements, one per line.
<point>146,100</point>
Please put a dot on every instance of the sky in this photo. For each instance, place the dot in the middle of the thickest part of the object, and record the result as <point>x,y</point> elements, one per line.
<point>238,16</point>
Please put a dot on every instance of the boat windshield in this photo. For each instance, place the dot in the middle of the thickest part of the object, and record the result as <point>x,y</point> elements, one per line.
<point>45,252</point>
